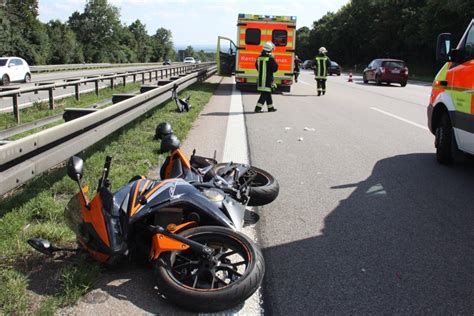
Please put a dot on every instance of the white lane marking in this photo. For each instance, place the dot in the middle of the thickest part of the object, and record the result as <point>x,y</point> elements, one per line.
<point>306,83</point>
<point>400,118</point>
<point>236,149</point>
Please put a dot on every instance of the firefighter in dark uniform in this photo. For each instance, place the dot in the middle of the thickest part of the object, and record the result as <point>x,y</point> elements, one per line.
<point>321,66</point>
<point>297,66</point>
<point>266,66</point>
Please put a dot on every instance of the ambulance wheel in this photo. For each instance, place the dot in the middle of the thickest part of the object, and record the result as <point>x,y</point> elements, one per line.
<point>364,78</point>
<point>444,141</point>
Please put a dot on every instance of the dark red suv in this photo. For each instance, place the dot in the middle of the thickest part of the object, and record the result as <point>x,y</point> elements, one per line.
<point>386,70</point>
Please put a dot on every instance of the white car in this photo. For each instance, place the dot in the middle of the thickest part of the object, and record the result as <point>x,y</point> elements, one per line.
<point>14,69</point>
<point>189,60</point>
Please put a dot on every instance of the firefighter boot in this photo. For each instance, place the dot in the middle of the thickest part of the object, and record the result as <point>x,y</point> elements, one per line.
<point>258,108</point>
<point>271,108</point>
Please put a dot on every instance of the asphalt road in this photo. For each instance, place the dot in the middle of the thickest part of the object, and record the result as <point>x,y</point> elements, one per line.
<point>366,221</point>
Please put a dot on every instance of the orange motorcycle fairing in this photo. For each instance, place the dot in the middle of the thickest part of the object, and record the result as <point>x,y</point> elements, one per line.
<point>95,217</point>
<point>162,243</point>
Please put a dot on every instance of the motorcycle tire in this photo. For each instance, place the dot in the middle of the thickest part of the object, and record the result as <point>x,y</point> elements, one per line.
<point>263,190</point>
<point>190,281</point>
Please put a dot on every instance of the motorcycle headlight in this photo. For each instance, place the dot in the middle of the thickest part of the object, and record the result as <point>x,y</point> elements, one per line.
<point>214,195</point>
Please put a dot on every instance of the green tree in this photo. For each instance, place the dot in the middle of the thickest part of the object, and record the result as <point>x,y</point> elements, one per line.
<point>142,41</point>
<point>27,36</point>
<point>189,52</point>
<point>98,30</point>
<point>64,47</point>
<point>162,45</point>
<point>302,43</point>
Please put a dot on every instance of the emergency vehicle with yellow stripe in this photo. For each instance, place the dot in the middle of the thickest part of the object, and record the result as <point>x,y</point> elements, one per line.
<point>451,108</point>
<point>253,31</point>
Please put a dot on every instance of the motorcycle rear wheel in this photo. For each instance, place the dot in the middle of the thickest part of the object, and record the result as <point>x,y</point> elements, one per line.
<point>264,188</point>
<point>198,284</point>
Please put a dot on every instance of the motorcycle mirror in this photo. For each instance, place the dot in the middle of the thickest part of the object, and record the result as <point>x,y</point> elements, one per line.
<point>75,167</point>
<point>42,245</point>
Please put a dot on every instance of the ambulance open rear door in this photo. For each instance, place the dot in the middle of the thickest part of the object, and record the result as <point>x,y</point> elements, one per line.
<point>226,52</point>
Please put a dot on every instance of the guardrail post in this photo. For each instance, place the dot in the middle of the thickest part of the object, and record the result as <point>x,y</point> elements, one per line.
<point>143,77</point>
<point>134,78</point>
<point>124,80</point>
<point>16,110</point>
<point>161,73</point>
<point>51,98</point>
<point>76,88</point>
<point>96,84</point>
<point>112,83</point>
<point>150,74</point>
<point>156,74</point>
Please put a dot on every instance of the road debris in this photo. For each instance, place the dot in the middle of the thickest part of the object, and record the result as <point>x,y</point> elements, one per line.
<point>279,141</point>
<point>300,139</point>
<point>309,129</point>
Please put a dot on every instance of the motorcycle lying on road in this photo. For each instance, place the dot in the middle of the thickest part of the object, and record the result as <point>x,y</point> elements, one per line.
<point>201,262</point>
<point>247,184</point>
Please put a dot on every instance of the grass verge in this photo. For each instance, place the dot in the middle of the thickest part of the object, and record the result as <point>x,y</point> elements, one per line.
<point>42,284</point>
<point>41,110</point>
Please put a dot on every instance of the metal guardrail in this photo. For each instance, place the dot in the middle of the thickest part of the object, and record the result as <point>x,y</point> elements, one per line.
<point>32,155</point>
<point>14,93</point>
<point>48,68</point>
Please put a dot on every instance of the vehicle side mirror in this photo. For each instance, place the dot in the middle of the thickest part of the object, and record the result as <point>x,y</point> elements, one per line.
<point>42,245</point>
<point>443,47</point>
<point>75,167</point>
<point>457,56</point>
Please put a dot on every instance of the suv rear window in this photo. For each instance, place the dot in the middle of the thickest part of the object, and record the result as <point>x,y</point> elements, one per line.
<point>3,62</point>
<point>279,37</point>
<point>393,64</point>
<point>252,36</point>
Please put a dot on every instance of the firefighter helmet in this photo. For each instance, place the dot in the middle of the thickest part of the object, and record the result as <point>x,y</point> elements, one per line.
<point>323,50</point>
<point>268,47</point>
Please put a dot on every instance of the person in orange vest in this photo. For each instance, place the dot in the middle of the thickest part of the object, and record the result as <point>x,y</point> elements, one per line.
<point>321,66</point>
<point>266,66</point>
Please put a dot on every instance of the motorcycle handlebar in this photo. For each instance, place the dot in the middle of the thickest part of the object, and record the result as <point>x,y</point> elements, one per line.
<point>105,173</point>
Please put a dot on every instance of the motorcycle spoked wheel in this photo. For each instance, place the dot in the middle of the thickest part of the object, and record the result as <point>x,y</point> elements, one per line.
<point>264,188</point>
<point>192,282</point>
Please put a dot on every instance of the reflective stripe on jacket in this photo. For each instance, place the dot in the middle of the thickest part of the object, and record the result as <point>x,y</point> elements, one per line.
<point>321,66</point>
<point>266,66</point>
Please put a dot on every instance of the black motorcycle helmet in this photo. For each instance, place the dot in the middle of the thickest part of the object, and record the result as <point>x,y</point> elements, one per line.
<point>169,143</point>
<point>163,129</point>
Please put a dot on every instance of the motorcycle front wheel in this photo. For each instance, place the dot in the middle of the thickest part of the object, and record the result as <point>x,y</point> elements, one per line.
<point>232,274</point>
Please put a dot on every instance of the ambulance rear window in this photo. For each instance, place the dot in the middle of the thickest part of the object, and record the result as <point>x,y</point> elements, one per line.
<point>279,37</point>
<point>252,36</point>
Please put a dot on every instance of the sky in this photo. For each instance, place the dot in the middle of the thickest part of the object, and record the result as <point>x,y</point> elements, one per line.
<point>196,22</point>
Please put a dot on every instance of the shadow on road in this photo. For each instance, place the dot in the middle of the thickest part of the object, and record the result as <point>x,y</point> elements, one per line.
<point>401,243</point>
